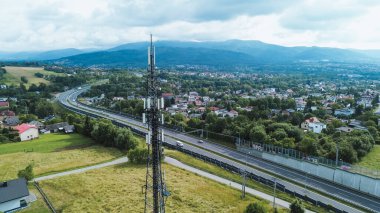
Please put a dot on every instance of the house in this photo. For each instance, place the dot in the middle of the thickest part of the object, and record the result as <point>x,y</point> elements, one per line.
<point>344,129</point>
<point>6,113</point>
<point>55,127</point>
<point>356,124</point>
<point>167,95</point>
<point>38,124</point>
<point>345,112</point>
<point>27,132</point>
<point>13,195</point>
<point>313,124</point>
<point>232,114</point>
<point>4,104</point>
<point>49,117</point>
<point>118,99</point>
<point>3,86</point>
<point>69,129</point>
<point>11,121</point>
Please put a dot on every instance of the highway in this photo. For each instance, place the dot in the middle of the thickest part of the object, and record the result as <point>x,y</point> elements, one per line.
<point>225,154</point>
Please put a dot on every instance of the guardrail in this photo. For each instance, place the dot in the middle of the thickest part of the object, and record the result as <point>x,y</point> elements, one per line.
<point>44,196</point>
<point>254,177</point>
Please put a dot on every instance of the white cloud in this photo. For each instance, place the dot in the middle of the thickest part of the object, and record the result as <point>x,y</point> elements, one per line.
<point>52,24</point>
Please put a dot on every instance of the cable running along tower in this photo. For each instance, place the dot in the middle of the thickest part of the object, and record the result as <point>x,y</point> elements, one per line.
<point>155,188</point>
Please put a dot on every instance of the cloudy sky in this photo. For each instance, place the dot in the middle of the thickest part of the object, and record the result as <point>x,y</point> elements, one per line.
<point>28,25</point>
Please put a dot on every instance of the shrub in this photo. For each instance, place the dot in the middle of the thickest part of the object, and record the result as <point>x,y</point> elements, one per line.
<point>255,208</point>
<point>297,207</point>
<point>26,173</point>
<point>138,155</point>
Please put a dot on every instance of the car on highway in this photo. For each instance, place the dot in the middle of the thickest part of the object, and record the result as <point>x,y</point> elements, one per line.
<point>200,141</point>
<point>179,143</point>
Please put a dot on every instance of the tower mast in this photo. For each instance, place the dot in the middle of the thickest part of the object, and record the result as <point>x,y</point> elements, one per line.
<point>155,189</point>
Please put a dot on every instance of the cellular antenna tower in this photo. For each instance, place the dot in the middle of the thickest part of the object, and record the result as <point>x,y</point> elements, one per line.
<point>155,189</point>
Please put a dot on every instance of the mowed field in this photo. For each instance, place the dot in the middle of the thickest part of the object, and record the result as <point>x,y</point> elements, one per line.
<point>52,153</point>
<point>13,75</point>
<point>119,189</point>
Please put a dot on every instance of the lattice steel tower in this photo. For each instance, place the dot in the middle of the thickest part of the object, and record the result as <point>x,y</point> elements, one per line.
<point>155,189</point>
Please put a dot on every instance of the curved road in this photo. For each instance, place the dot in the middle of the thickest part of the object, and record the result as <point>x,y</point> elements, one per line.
<point>369,202</point>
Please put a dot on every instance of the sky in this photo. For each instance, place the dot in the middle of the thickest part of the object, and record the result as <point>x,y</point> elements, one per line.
<point>34,25</point>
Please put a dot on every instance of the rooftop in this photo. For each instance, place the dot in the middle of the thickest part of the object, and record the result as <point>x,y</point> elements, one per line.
<point>23,127</point>
<point>13,189</point>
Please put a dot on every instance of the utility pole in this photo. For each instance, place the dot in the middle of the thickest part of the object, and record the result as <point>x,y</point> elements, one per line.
<point>274,192</point>
<point>244,174</point>
<point>337,154</point>
<point>155,188</point>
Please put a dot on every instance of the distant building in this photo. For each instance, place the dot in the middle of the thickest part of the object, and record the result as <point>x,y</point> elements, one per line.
<point>55,127</point>
<point>345,112</point>
<point>344,129</point>
<point>27,132</point>
<point>69,129</point>
<point>11,121</point>
<point>313,124</point>
<point>13,195</point>
<point>4,104</point>
<point>38,124</point>
<point>167,95</point>
<point>118,99</point>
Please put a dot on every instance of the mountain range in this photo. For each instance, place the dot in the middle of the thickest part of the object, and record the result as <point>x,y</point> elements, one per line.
<point>230,53</point>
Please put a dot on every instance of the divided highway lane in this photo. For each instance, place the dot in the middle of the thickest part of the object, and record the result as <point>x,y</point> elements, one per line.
<point>311,182</point>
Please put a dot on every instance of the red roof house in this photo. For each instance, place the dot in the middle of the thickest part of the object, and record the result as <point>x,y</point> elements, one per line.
<point>4,104</point>
<point>27,131</point>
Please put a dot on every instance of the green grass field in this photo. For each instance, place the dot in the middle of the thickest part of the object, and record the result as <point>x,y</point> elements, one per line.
<point>46,143</point>
<point>372,159</point>
<point>52,153</point>
<point>13,75</point>
<point>189,160</point>
<point>118,189</point>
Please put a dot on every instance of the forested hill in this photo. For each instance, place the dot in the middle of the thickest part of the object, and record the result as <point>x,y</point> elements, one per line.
<point>165,56</point>
<point>231,53</point>
<point>222,54</point>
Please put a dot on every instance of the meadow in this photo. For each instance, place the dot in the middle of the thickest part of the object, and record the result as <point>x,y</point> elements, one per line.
<point>13,75</point>
<point>372,159</point>
<point>119,189</point>
<point>52,153</point>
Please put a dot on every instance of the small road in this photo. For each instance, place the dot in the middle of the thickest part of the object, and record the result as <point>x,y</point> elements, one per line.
<point>81,170</point>
<point>232,184</point>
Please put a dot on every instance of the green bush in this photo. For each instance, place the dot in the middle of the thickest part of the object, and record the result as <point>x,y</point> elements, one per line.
<point>297,207</point>
<point>256,208</point>
<point>26,173</point>
<point>138,155</point>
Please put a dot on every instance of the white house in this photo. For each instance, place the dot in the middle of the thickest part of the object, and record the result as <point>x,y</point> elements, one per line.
<point>27,132</point>
<point>13,195</point>
<point>313,124</point>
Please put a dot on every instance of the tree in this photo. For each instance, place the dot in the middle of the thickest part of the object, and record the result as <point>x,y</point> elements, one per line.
<point>138,155</point>
<point>297,207</point>
<point>26,173</point>
<point>44,108</point>
<point>104,132</point>
<point>255,208</point>
<point>24,79</point>
<point>87,127</point>
<point>359,110</point>
<point>125,139</point>
<point>258,134</point>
